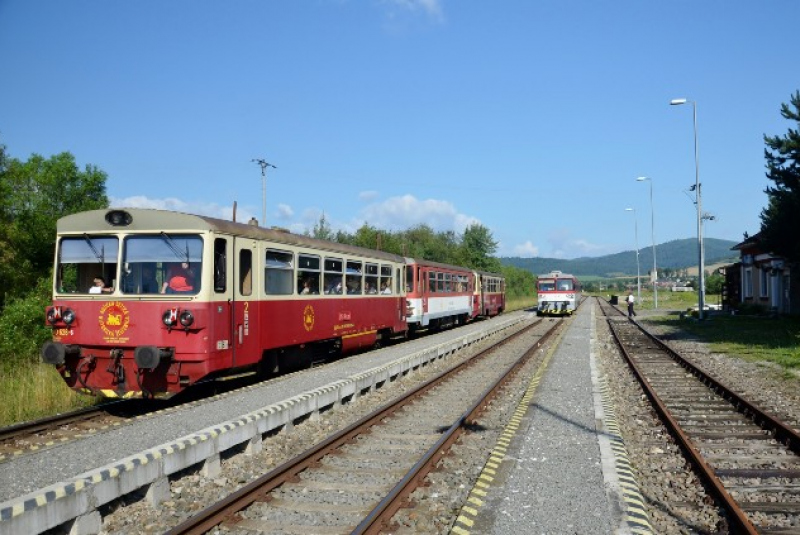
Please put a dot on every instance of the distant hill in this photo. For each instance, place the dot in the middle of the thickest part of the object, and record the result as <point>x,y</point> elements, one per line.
<point>676,254</point>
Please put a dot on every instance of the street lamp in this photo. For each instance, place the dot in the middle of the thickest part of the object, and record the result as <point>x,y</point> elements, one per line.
<point>636,235</point>
<point>701,283</point>
<point>264,164</point>
<point>653,239</point>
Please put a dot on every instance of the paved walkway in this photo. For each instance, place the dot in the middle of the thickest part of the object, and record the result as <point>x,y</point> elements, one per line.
<point>555,473</point>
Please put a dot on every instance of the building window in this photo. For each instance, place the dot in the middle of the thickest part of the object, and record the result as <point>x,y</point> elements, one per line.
<point>763,282</point>
<point>748,282</point>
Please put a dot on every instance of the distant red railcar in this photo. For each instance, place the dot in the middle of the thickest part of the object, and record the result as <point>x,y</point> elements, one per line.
<point>559,294</point>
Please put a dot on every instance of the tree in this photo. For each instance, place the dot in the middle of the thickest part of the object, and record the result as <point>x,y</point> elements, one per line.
<point>478,247</point>
<point>781,217</point>
<point>33,196</point>
<point>322,229</point>
<point>714,283</point>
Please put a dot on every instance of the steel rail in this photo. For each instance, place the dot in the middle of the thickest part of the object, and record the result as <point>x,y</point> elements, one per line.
<point>736,516</point>
<point>260,488</point>
<point>379,518</point>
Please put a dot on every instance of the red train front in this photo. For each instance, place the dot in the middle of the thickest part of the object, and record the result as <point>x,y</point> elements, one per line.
<point>148,302</point>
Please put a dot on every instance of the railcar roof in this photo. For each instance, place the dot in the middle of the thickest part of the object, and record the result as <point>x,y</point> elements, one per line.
<point>429,263</point>
<point>153,220</point>
<point>556,275</point>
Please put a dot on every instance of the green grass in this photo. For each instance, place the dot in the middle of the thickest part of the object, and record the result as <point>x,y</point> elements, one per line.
<point>755,339</point>
<point>31,391</point>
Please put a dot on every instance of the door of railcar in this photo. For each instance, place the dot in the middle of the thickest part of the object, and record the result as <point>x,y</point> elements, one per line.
<point>246,326</point>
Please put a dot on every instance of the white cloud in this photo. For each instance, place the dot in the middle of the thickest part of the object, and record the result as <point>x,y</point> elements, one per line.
<point>563,245</point>
<point>527,249</point>
<point>432,8</point>
<point>285,211</point>
<point>368,195</point>
<point>401,213</point>
<point>209,209</point>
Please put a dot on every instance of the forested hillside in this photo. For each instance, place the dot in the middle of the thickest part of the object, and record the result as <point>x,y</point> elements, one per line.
<point>676,254</point>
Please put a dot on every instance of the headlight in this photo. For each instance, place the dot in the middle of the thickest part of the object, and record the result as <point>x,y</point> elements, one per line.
<point>187,318</point>
<point>69,316</point>
<point>170,317</point>
<point>53,315</point>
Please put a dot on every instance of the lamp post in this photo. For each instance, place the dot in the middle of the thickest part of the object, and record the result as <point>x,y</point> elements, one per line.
<point>636,236</point>
<point>264,164</point>
<point>701,281</point>
<point>653,240</point>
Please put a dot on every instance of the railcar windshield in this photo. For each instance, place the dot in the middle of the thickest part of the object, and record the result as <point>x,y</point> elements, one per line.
<point>565,285</point>
<point>547,285</point>
<point>87,264</point>
<point>162,263</point>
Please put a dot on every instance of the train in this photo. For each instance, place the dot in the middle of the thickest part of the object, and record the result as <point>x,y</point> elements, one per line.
<point>148,302</point>
<point>559,294</point>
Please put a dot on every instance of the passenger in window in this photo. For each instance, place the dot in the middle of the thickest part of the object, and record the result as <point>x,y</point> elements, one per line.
<point>99,286</point>
<point>149,283</point>
<point>180,279</point>
<point>306,288</point>
<point>385,289</point>
<point>371,289</point>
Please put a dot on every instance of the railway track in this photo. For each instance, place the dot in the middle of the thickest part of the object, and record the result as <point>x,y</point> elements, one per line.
<point>357,479</point>
<point>747,459</point>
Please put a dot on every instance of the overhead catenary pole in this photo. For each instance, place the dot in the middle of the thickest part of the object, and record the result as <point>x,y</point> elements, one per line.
<point>264,164</point>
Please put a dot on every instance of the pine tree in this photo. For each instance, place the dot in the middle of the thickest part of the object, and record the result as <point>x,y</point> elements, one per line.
<point>781,217</point>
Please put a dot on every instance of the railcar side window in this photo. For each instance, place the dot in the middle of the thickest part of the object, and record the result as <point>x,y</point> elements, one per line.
<point>220,265</point>
<point>333,276</point>
<point>397,280</point>
<point>153,263</point>
<point>431,282</point>
<point>409,279</point>
<point>353,278</point>
<point>307,274</point>
<point>246,272</point>
<point>386,279</point>
<point>371,278</point>
<point>278,273</point>
<point>81,259</point>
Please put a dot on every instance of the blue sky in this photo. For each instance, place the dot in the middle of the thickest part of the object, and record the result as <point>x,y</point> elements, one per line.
<point>533,118</point>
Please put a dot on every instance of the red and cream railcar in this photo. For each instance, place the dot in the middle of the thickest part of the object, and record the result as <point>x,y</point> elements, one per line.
<point>559,294</point>
<point>439,295</point>
<point>251,298</point>
<point>490,294</point>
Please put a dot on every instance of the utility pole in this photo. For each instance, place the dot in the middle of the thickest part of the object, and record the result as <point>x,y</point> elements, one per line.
<point>264,164</point>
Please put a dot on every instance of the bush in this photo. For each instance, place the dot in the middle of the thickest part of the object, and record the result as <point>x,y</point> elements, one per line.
<point>22,325</point>
<point>751,309</point>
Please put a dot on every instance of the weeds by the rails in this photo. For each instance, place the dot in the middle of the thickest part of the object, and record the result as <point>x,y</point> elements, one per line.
<point>29,391</point>
<point>753,338</point>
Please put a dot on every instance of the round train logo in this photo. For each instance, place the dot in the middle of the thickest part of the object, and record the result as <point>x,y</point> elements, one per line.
<point>114,319</point>
<point>308,318</point>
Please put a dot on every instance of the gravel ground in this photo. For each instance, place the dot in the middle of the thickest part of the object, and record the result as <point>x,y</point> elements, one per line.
<point>677,501</point>
<point>192,492</point>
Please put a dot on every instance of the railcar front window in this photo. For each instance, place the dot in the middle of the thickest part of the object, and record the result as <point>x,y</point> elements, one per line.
<point>82,259</point>
<point>565,285</point>
<point>162,263</point>
<point>547,286</point>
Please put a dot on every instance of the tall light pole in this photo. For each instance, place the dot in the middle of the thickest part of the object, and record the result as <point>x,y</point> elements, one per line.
<point>264,164</point>
<point>653,239</point>
<point>701,282</point>
<point>636,235</point>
